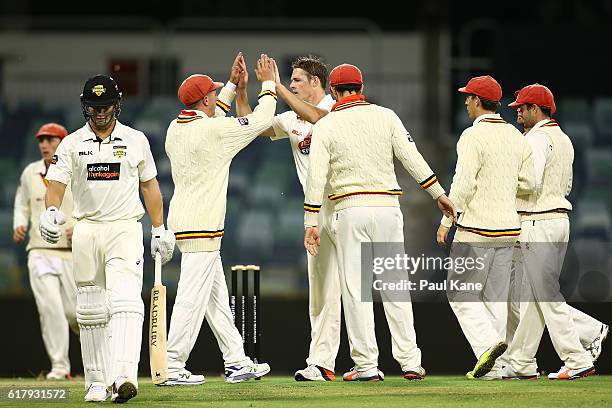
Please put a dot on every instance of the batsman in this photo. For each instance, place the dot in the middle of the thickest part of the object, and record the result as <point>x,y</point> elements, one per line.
<point>105,163</point>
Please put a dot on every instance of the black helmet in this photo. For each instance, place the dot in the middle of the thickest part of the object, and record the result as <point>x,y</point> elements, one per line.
<point>101,90</point>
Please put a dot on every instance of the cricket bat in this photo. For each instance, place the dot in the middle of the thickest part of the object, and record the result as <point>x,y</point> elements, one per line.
<point>158,352</point>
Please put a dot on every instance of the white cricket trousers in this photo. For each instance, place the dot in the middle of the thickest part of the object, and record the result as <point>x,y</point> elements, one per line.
<point>543,246</point>
<point>350,228</point>
<point>483,314</point>
<point>588,327</point>
<point>108,263</point>
<point>202,292</point>
<point>324,300</point>
<point>55,292</point>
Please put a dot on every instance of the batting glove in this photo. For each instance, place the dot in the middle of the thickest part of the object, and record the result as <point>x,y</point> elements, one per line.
<point>49,225</point>
<point>162,241</point>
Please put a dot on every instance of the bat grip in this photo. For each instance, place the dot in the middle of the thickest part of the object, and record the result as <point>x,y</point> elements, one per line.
<point>158,266</point>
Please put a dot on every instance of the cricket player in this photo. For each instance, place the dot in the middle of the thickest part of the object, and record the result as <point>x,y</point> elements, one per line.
<point>494,164</point>
<point>591,331</point>
<point>544,237</point>
<point>201,144</point>
<point>104,163</point>
<point>308,81</point>
<point>353,148</point>
<point>49,265</point>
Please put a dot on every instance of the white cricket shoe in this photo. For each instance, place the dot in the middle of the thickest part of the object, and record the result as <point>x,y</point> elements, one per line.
<point>58,375</point>
<point>315,373</point>
<point>123,390</point>
<point>508,373</point>
<point>184,377</point>
<point>595,347</point>
<point>236,374</point>
<point>97,392</point>
<point>415,373</point>
<point>371,374</point>
<point>566,373</point>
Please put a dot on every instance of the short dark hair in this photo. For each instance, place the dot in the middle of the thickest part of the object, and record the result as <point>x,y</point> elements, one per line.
<point>544,109</point>
<point>488,105</point>
<point>348,88</point>
<point>313,66</point>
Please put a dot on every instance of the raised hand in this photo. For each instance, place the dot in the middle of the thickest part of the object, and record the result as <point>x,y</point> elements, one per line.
<point>276,72</point>
<point>244,74</point>
<point>265,69</point>
<point>235,71</point>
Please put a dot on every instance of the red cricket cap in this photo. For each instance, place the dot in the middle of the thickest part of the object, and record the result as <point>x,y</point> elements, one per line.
<point>345,74</point>
<point>536,94</point>
<point>484,86</point>
<point>196,87</point>
<point>52,129</point>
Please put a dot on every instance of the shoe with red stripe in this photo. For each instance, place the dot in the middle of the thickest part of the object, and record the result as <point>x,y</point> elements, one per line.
<point>371,374</point>
<point>566,373</point>
<point>415,373</point>
<point>315,373</point>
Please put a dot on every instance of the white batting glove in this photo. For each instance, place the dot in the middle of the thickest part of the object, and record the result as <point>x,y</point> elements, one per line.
<point>49,225</point>
<point>162,241</point>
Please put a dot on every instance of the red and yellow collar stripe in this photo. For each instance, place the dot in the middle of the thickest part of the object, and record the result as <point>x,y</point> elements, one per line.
<point>515,232</point>
<point>492,120</point>
<point>428,182</point>
<point>223,106</point>
<point>187,116</point>
<point>312,208</point>
<point>267,92</point>
<point>395,192</point>
<point>551,122</point>
<point>198,234</point>
<point>45,181</point>
<point>349,105</point>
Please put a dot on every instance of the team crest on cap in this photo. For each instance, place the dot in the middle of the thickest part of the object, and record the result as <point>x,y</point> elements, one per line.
<point>98,90</point>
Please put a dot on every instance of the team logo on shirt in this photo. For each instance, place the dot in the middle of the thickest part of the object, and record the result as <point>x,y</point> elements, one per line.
<point>103,171</point>
<point>54,159</point>
<point>410,139</point>
<point>119,151</point>
<point>304,145</point>
<point>243,121</point>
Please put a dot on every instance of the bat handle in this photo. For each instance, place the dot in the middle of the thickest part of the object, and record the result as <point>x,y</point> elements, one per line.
<point>158,267</point>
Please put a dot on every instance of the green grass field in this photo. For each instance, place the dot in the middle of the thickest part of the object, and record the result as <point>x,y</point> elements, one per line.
<point>435,391</point>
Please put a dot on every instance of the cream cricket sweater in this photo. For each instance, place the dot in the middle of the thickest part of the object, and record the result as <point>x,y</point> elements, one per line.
<point>555,149</point>
<point>30,203</point>
<point>354,146</point>
<point>494,164</point>
<point>201,150</point>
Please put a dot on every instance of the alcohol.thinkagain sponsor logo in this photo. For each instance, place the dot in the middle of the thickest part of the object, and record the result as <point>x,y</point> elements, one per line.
<point>103,171</point>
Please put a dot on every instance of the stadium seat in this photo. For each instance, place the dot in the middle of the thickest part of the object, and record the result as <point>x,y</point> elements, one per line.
<point>603,118</point>
<point>255,238</point>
